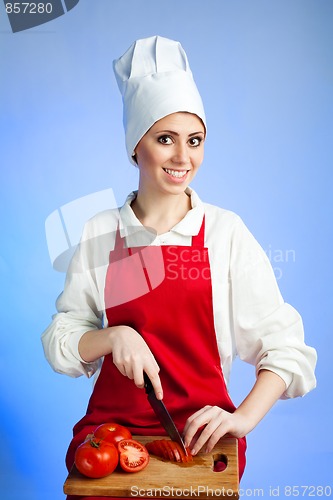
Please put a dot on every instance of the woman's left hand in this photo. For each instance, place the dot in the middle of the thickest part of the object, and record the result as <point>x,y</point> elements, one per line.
<point>208,425</point>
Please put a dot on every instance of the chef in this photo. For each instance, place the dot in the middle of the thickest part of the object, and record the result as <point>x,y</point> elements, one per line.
<point>173,286</point>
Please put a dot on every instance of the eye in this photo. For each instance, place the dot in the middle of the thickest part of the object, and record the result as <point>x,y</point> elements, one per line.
<point>194,142</point>
<point>165,139</point>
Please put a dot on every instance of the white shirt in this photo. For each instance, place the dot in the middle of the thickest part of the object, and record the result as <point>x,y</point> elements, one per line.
<point>251,318</point>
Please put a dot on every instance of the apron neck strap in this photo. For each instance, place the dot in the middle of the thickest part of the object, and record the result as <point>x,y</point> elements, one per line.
<point>198,240</point>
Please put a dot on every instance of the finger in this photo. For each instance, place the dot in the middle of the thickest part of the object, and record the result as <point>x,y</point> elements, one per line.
<point>129,372</point>
<point>191,419</point>
<point>118,361</point>
<point>210,418</point>
<point>121,368</point>
<point>218,434</point>
<point>127,366</point>
<point>156,383</point>
<point>195,423</point>
<point>205,436</point>
<point>138,376</point>
<point>193,440</point>
<point>214,430</point>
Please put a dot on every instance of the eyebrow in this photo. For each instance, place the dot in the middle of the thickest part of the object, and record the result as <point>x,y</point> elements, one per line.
<point>176,133</point>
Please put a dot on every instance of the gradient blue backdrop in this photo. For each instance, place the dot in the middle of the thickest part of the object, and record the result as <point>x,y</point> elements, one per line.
<point>264,69</point>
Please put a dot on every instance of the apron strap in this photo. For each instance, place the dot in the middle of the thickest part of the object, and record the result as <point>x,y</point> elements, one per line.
<point>120,250</point>
<point>198,240</point>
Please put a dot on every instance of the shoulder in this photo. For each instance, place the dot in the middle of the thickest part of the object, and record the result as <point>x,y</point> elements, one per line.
<point>221,217</point>
<point>225,228</point>
<point>102,223</point>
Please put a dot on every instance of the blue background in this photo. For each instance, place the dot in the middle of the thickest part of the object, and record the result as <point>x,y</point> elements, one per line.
<point>264,69</point>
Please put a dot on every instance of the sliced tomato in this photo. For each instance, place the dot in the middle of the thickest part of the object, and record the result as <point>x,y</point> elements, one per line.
<point>176,451</point>
<point>133,456</point>
<point>170,450</point>
<point>157,449</point>
<point>112,432</point>
<point>164,449</point>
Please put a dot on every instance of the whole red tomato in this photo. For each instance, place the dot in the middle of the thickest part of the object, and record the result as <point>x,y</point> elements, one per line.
<point>133,456</point>
<point>96,458</point>
<point>113,433</point>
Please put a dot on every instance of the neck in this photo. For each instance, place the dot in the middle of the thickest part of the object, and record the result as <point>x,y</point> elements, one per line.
<point>161,212</point>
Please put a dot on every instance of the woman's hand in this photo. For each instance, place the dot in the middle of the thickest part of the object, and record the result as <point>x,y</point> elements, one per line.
<point>132,357</point>
<point>208,425</point>
<point>130,353</point>
<point>205,427</point>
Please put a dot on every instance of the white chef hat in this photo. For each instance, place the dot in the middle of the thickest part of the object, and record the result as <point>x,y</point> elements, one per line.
<point>155,80</point>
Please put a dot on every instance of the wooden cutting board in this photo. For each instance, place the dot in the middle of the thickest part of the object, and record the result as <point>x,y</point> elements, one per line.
<point>162,478</point>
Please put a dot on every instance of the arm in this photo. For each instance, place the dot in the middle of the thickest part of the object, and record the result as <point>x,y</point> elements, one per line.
<point>76,314</point>
<point>267,333</point>
<point>80,305</point>
<point>75,341</point>
<point>267,390</point>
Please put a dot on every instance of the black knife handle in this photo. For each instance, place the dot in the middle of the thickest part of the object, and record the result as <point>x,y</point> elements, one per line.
<point>148,385</point>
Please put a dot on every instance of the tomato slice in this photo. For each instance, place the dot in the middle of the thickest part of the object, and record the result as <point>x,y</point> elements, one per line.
<point>170,450</point>
<point>175,451</point>
<point>157,448</point>
<point>133,456</point>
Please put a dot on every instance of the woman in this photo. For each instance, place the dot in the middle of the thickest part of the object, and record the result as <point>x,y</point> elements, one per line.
<point>185,286</point>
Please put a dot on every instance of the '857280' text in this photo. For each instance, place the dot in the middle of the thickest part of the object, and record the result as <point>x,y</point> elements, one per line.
<point>28,8</point>
<point>301,491</point>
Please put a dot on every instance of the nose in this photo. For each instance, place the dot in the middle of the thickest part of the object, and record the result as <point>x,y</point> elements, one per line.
<point>181,154</point>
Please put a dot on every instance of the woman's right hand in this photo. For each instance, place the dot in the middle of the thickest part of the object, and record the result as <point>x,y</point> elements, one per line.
<point>132,357</point>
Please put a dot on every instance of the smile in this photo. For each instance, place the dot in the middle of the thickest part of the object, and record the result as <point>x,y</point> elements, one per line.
<point>176,173</point>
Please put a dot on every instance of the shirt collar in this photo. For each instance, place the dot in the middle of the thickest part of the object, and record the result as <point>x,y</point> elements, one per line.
<point>188,226</point>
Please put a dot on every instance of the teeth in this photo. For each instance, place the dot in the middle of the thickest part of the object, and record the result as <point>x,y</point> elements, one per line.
<point>176,173</point>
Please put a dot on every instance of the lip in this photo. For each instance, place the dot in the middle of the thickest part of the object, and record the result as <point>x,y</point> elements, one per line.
<point>176,180</point>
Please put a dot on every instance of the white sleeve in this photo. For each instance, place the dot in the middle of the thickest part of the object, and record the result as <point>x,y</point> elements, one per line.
<point>268,332</point>
<point>79,311</point>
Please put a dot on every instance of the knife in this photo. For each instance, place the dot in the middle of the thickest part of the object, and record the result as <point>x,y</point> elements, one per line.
<point>162,414</point>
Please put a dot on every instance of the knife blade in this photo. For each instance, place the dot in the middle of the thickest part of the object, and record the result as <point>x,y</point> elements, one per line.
<point>162,414</point>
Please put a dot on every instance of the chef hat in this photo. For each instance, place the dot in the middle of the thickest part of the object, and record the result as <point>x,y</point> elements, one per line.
<point>155,80</point>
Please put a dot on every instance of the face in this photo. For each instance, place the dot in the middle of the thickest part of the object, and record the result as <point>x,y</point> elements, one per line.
<point>170,153</point>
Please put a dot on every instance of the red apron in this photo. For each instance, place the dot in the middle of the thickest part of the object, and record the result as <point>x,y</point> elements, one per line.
<point>176,321</point>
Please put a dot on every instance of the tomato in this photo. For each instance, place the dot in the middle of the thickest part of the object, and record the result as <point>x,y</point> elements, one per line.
<point>170,450</point>
<point>133,456</point>
<point>96,458</point>
<point>113,433</point>
<point>219,466</point>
